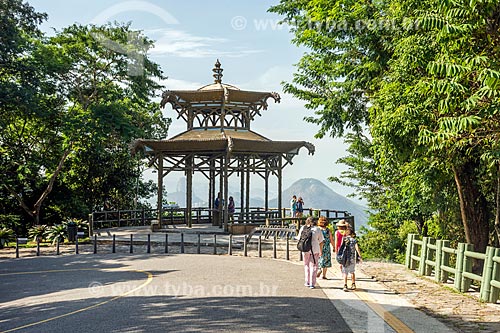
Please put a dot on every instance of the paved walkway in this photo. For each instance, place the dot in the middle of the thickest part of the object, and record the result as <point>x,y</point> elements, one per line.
<point>462,312</point>
<point>160,293</point>
<point>190,235</point>
<point>156,292</point>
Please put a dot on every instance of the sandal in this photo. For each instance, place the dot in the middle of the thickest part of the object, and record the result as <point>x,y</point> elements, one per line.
<point>324,278</point>
<point>353,286</point>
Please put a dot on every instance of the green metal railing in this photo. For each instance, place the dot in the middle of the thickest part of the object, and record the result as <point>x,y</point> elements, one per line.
<point>429,255</point>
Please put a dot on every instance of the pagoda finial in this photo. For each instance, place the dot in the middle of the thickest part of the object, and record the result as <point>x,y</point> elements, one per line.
<point>218,72</point>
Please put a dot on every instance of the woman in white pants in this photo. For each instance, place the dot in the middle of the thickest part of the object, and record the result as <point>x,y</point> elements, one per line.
<point>311,259</point>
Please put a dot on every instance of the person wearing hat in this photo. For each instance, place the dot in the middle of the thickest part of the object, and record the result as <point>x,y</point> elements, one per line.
<point>342,226</point>
<point>325,260</point>
<point>349,268</point>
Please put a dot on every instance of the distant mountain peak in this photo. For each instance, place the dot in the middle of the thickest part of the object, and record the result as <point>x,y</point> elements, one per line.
<point>318,195</point>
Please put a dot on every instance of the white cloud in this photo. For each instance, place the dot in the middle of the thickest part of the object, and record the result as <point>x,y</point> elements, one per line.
<point>170,42</point>
<point>178,84</point>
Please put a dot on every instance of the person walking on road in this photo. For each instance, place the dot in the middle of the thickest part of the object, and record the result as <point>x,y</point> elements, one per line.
<point>353,255</point>
<point>325,260</point>
<point>311,257</point>
<point>339,234</point>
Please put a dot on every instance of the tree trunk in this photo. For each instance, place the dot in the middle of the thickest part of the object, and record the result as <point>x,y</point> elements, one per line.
<point>421,225</point>
<point>35,212</point>
<point>473,206</point>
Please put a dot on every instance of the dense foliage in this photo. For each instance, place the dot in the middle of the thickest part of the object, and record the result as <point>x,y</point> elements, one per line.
<point>70,104</point>
<point>416,86</point>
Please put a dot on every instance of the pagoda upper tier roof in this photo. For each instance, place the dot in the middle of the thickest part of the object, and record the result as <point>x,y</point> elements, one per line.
<point>217,93</point>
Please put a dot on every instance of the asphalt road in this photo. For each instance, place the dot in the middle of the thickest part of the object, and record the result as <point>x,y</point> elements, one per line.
<point>160,293</point>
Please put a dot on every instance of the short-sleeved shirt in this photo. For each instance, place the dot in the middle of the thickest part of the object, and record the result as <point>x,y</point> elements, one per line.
<point>317,238</point>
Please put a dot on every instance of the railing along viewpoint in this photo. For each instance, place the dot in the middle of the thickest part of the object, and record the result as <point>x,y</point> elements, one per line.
<point>429,255</point>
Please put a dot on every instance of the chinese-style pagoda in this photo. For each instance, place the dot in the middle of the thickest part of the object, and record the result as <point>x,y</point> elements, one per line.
<point>219,143</point>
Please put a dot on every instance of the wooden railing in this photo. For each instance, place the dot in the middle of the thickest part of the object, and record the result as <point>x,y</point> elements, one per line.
<point>300,221</point>
<point>429,255</point>
<point>123,218</point>
<point>258,215</point>
<point>136,244</point>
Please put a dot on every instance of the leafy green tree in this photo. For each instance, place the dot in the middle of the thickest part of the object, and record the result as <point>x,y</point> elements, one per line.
<point>69,107</point>
<point>110,101</point>
<point>29,111</point>
<point>423,78</point>
<point>463,85</point>
<point>346,59</point>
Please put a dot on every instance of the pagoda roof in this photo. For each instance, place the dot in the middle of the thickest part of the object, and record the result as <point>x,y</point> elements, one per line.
<point>217,93</point>
<point>232,141</point>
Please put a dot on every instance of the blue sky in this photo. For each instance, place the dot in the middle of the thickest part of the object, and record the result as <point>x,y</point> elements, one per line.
<point>255,52</point>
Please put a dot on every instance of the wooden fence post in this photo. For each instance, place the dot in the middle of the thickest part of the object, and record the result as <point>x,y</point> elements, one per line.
<point>76,243</point>
<point>287,248</point>
<point>215,243</point>
<point>459,266</point>
<point>414,252</point>
<point>274,247</point>
<point>259,246</point>
<point>445,260</point>
<point>428,256</point>
<point>91,225</point>
<point>439,253</point>
<point>148,248</point>
<point>198,246</point>
<point>487,274</point>
<point>166,243</point>
<point>467,267</point>
<point>245,244</point>
<point>182,242</point>
<point>131,243</point>
<point>409,247</point>
<point>423,256</point>
<point>495,291</point>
